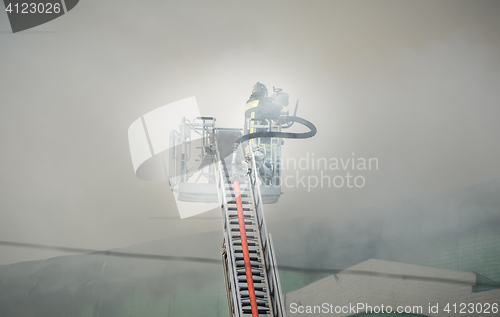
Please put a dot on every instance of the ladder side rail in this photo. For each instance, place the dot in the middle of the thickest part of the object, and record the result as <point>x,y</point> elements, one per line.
<point>267,247</point>
<point>262,242</point>
<point>257,197</point>
<point>274,267</point>
<point>273,290</point>
<point>262,224</point>
<point>245,249</point>
<point>227,282</point>
<point>234,289</point>
<point>233,286</point>
<point>233,283</point>
<point>271,281</point>
<point>228,239</point>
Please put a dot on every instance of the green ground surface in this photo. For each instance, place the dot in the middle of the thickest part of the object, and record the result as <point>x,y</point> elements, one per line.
<point>97,285</point>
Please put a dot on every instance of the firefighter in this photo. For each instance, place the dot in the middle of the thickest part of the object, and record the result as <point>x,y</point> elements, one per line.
<point>261,108</point>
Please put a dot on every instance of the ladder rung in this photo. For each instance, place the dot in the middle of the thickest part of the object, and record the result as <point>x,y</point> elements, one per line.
<point>236,216</point>
<point>248,223</point>
<point>250,244</point>
<point>234,208</point>
<point>249,251</point>
<point>257,288</point>
<point>259,279</point>
<point>244,202</point>
<point>246,229</point>
<point>254,273</point>
<point>259,296</point>
<point>252,258</point>
<point>248,237</point>
<point>253,265</point>
<point>246,302</point>
<point>261,311</point>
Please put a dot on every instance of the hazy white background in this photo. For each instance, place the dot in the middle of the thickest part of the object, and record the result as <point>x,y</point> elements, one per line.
<point>415,84</point>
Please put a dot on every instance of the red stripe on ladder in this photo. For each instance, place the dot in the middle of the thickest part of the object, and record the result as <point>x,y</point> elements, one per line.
<point>246,254</point>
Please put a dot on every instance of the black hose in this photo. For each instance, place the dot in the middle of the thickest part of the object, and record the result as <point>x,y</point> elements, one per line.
<point>268,134</point>
<point>284,135</point>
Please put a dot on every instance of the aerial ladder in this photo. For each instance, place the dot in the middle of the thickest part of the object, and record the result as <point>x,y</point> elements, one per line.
<point>250,270</point>
<point>227,172</point>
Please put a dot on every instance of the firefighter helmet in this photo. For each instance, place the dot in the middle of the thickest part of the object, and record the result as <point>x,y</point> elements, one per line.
<point>260,90</point>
